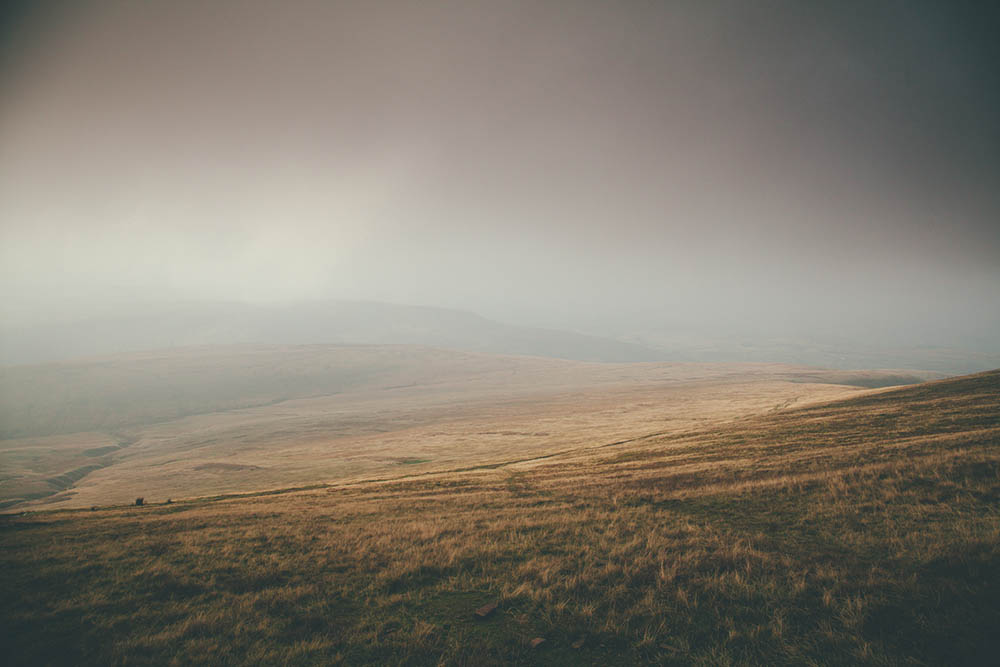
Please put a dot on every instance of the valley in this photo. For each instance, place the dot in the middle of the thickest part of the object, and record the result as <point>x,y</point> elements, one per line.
<point>233,419</point>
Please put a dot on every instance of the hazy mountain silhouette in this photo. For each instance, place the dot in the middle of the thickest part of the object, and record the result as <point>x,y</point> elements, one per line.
<point>152,326</point>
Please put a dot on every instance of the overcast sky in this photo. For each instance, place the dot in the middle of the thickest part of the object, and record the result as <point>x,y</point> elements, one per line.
<point>790,165</point>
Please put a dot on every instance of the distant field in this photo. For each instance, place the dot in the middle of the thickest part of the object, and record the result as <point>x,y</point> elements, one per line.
<point>210,420</point>
<point>860,531</point>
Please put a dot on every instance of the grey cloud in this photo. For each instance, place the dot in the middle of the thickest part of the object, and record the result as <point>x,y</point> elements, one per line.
<point>775,165</point>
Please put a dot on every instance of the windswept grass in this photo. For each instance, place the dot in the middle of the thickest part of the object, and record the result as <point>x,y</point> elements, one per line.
<point>865,531</point>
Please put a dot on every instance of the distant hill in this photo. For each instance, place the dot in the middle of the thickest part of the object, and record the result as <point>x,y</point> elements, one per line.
<point>178,325</point>
<point>110,392</point>
<point>730,345</point>
<point>203,323</point>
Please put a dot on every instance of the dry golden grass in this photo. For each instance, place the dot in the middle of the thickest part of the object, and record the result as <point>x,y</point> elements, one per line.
<point>864,531</point>
<point>387,411</point>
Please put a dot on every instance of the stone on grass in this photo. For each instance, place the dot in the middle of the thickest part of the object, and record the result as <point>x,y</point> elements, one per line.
<point>486,610</point>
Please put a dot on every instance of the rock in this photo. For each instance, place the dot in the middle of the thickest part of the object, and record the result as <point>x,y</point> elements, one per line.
<point>486,610</point>
<point>536,642</point>
<point>138,502</point>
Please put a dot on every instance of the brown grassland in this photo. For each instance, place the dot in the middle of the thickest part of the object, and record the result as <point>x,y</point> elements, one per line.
<point>860,531</point>
<point>233,419</point>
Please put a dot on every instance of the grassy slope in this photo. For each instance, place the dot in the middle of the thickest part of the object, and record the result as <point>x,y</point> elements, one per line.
<point>862,531</point>
<point>208,420</point>
<point>108,394</point>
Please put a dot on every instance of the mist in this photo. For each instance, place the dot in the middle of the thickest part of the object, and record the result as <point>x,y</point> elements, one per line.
<point>649,173</point>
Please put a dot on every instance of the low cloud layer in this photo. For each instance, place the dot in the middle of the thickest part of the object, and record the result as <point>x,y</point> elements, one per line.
<point>777,167</point>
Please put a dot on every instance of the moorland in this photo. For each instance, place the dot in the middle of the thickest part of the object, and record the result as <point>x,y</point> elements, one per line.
<point>859,528</point>
<point>224,419</point>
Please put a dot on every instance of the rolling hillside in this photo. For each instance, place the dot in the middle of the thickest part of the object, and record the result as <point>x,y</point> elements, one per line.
<point>859,531</point>
<point>214,419</point>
